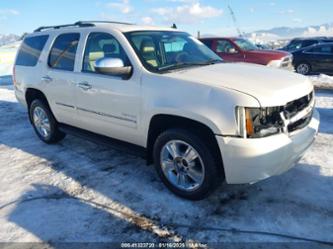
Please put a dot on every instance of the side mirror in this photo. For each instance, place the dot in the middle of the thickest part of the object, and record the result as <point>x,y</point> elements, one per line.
<point>112,66</point>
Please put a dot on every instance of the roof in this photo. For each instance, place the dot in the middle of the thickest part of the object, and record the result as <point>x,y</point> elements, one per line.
<point>131,28</point>
<point>313,38</point>
<point>122,27</point>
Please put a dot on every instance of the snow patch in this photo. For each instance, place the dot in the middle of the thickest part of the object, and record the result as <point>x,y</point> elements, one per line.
<point>322,81</point>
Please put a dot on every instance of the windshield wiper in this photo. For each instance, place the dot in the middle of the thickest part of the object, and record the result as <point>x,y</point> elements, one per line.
<point>189,64</point>
<point>213,61</point>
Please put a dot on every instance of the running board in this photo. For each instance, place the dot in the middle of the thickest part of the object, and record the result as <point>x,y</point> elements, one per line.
<point>112,143</point>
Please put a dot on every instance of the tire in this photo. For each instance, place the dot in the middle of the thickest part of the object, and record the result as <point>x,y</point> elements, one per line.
<point>303,68</point>
<point>174,171</point>
<point>44,123</point>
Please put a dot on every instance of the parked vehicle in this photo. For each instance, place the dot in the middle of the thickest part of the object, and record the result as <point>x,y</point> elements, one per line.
<point>262,46</point>
<point>199,120</point>
<point>242,50</point>
<point>300,43</point>
<point>315,59</point>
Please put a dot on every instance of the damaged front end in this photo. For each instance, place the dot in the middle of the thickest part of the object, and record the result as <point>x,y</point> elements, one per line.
<point>267,121</point>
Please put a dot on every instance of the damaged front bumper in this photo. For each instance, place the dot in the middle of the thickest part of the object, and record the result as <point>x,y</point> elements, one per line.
<point>252,160</point>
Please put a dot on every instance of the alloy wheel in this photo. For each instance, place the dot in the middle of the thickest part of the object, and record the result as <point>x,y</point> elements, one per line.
<point>41,122</point>
<point>303,68</point>
<point>182,165</point>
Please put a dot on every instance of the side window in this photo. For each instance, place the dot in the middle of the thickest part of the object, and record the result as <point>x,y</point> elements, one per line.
<point>102,45</point>
<point>208,43</point>
<point>321,50</point>
<point>30,50</point>
<point>308,43</point>
<point>295,45</point>
<point>331,49</point>
<point>62,55</point>
<point>224,46</point>
<point>324,49</point>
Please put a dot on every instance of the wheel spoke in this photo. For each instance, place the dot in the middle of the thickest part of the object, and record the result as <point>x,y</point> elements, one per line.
<point>168,165</point>
<point>190,155</point>
<point>181,180</point>
<point>35,118</point>
<point>172,149</point>
<point>195,175</point>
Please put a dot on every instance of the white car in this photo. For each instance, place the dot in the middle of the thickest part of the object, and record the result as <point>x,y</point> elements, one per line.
<point>199,120</point>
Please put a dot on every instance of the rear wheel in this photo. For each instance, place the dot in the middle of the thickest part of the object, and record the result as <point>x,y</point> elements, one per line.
<point>44,123</point>
<point>185,164</point>
<point>303,68</point>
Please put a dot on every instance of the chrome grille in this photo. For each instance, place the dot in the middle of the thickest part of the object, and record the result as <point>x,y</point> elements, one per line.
<point>298,113</point>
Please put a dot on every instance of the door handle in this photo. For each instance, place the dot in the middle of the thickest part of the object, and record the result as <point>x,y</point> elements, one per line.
<point>46,79</point>
<point>84,86</point>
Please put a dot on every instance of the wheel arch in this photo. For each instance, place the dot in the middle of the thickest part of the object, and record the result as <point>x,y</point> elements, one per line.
<point>32,93</point>
<point>162,122</point>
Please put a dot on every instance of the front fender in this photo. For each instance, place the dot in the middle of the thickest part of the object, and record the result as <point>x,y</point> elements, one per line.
<point>209,105</point>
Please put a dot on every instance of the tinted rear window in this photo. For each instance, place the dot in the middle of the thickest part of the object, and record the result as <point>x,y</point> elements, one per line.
<point>30,50</point>
<point>62,55</point>
<point>322,50</point>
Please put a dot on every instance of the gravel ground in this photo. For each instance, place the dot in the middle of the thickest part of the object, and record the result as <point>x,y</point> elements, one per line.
<point>78,191</point>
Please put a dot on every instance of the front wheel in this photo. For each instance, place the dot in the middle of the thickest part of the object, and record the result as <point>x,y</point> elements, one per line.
<point>185,164</point>
<point>44,123</point>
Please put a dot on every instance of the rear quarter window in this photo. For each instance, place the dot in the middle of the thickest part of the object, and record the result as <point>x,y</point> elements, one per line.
<point>62,55</point>
<point>31,50</point>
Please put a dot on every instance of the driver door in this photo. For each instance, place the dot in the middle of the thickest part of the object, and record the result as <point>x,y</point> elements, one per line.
<point>107,105</point>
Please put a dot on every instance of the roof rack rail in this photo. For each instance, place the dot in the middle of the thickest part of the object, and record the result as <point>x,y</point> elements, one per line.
<point>111,22</point>
<point>77,24</point>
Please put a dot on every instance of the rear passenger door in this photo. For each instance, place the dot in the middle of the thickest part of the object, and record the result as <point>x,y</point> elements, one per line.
<point>321,58</point>
<point>59,77</point>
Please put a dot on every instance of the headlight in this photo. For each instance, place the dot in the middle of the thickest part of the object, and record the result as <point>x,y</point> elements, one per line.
<point>259,122</point>
<point>275,63</point>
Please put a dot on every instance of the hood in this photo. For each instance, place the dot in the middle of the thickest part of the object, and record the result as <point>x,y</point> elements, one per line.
<point>271,87</point>
<point>272,54</point>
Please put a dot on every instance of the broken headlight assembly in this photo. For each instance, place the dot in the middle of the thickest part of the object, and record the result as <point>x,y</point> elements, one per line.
<point>259,122</point>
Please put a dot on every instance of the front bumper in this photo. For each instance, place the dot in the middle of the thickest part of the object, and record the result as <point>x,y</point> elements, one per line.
<point>252,160</point>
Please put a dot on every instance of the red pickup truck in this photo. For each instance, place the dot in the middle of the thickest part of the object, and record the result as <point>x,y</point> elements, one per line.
<point>236,49</point>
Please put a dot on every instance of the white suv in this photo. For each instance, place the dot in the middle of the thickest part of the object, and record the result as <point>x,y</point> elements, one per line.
<point>198,119</point>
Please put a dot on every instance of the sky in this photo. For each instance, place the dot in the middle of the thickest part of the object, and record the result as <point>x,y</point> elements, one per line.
<point>208,16</point>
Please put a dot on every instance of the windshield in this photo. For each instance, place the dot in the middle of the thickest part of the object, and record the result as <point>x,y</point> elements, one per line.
<point>161,51</point>
<point>245,45</point>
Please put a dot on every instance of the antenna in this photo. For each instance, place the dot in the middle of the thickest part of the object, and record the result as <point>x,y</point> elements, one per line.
<point>234,19</point>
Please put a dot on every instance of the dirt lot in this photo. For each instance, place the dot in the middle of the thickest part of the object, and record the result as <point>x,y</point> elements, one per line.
<point>81,191</point>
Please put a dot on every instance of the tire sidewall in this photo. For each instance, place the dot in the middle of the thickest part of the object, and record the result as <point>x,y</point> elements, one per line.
<point>211,177</point>
<point>40,104</point>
